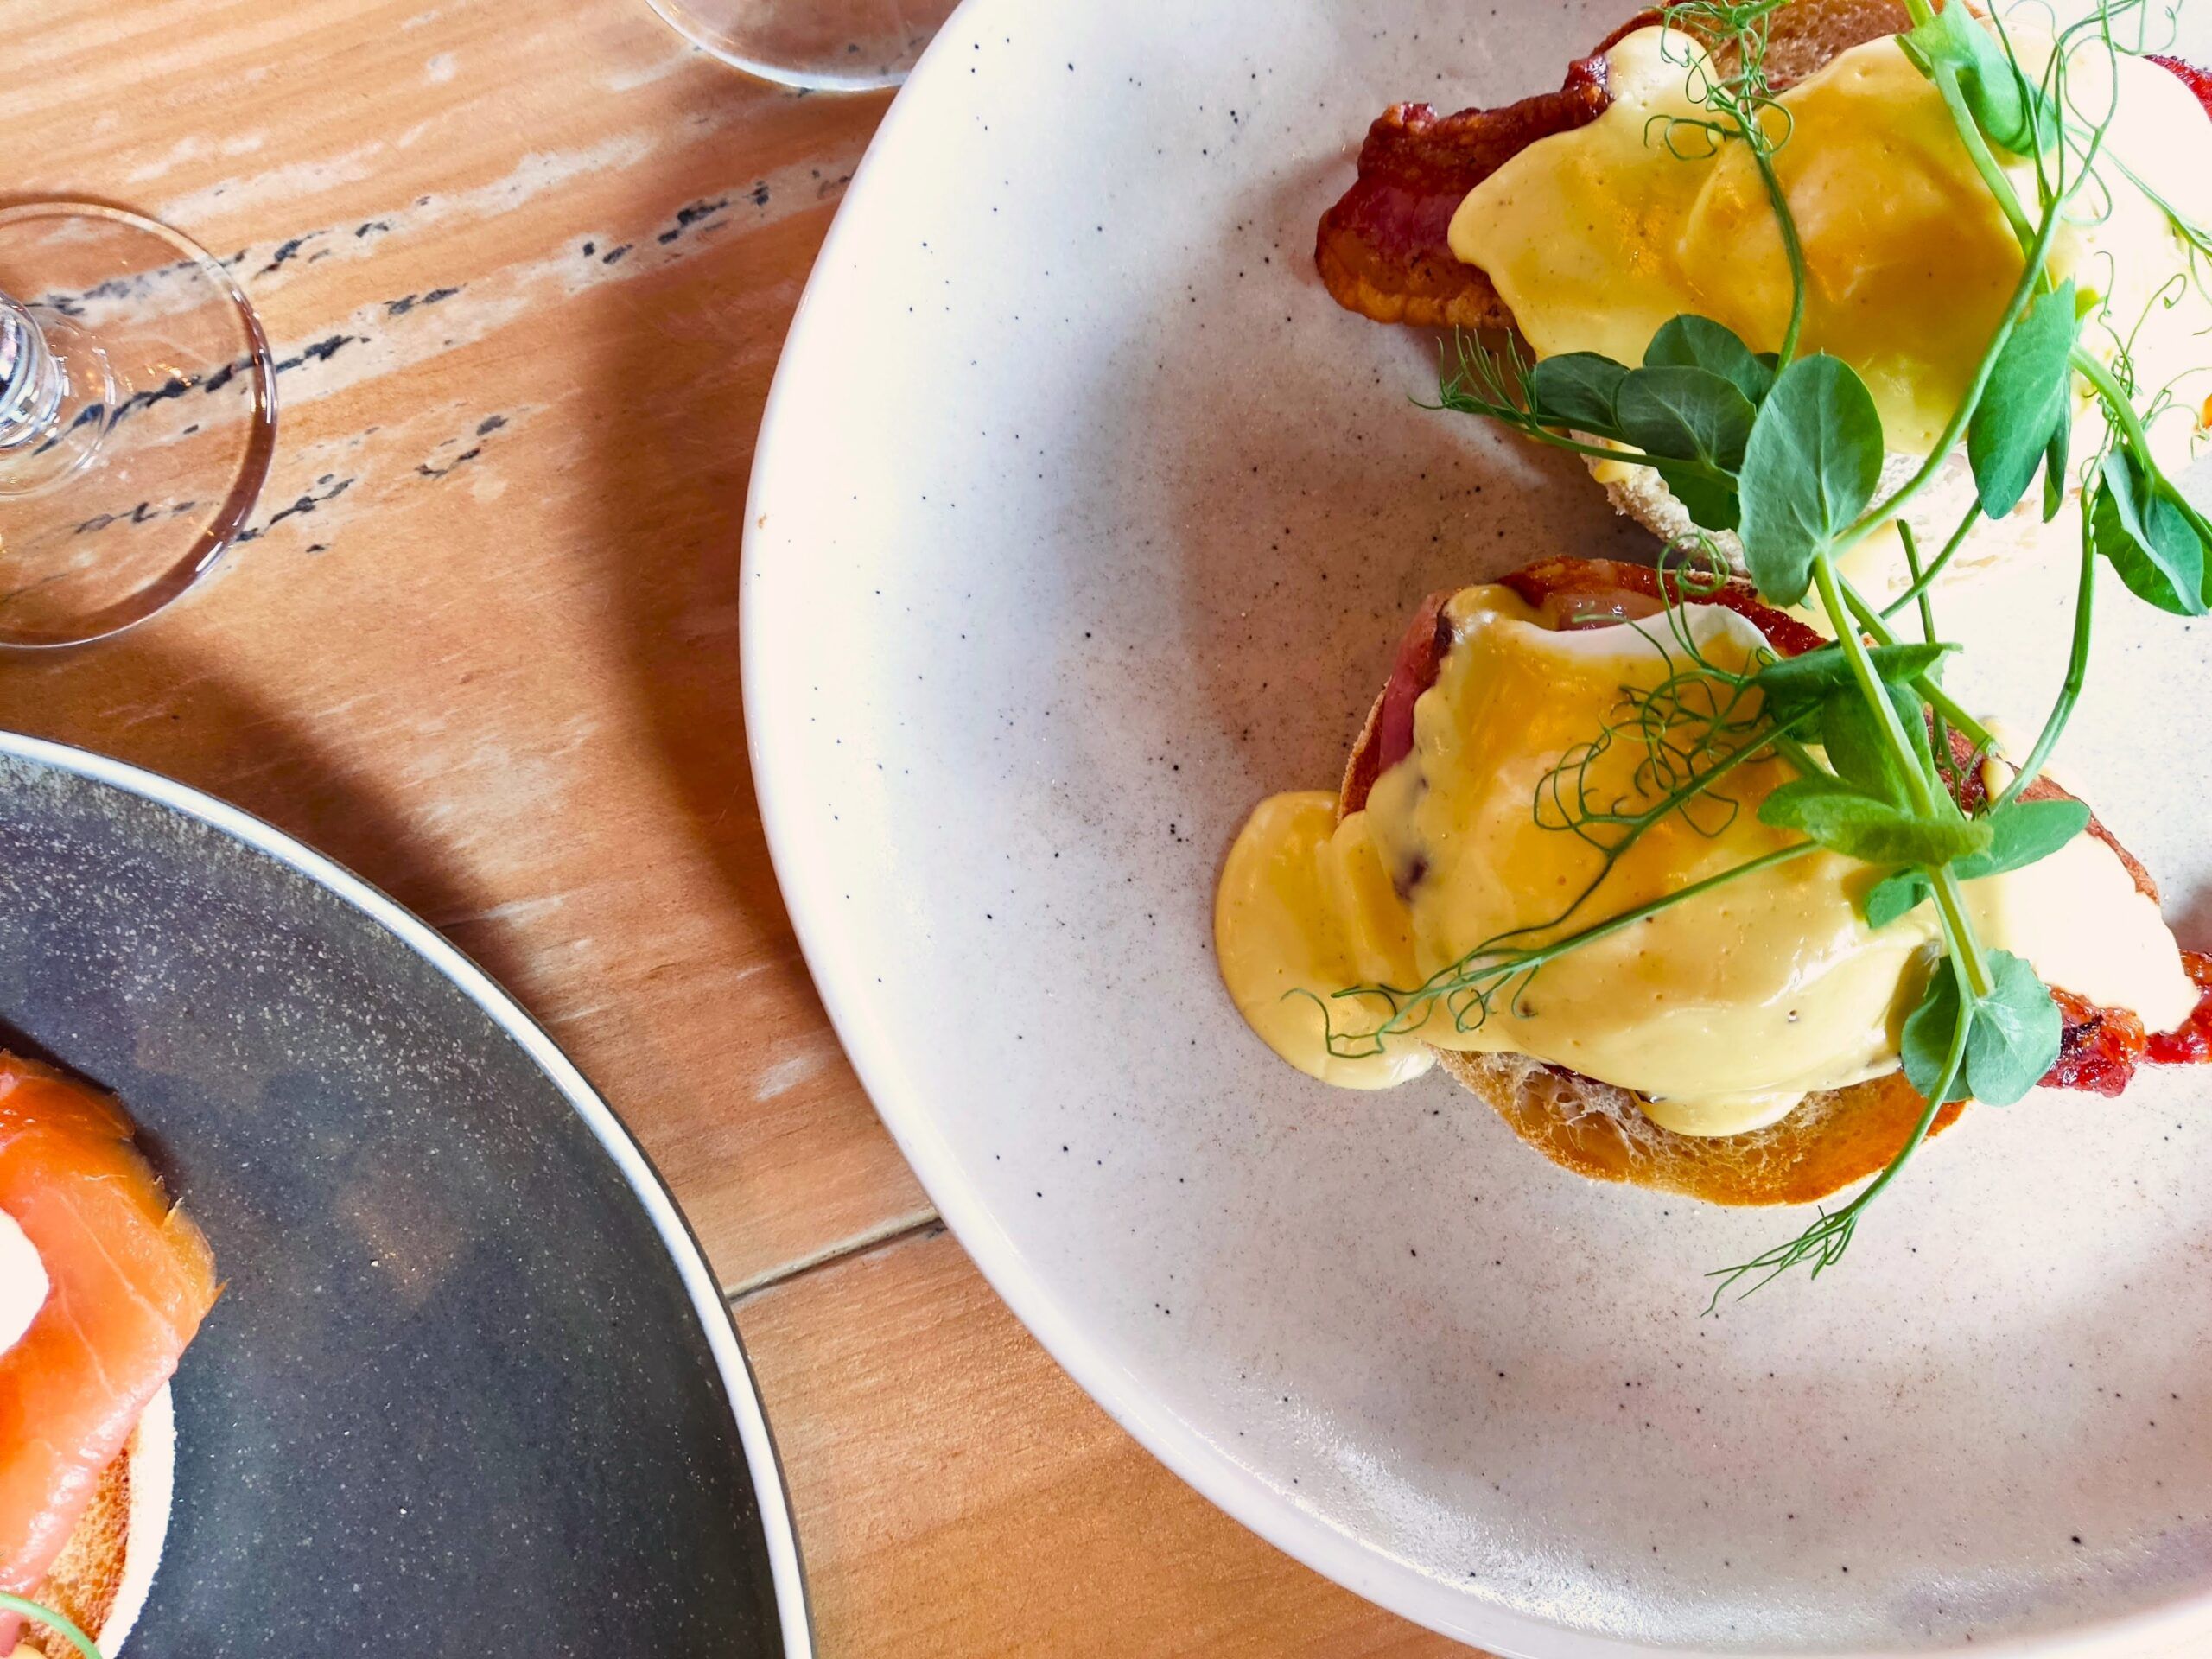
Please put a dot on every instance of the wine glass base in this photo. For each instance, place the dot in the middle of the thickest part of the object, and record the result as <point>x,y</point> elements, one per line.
<point>146,474</point>
<point>85,391</point>
<point>838,46</point>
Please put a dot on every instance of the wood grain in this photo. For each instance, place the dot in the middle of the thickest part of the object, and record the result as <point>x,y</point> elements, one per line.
<point>482,646</point>
<point>1003,1512</point>
<point>529,263</point>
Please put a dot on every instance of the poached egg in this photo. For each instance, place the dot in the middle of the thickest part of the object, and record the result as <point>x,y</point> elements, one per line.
<point>1721,1013</point>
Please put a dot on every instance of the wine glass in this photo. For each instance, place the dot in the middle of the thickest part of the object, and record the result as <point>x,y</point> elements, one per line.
<point>137,415</point>
<point>824,45</point>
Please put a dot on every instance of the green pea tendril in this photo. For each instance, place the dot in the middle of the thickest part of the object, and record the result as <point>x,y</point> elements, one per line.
<point>58,1621</point>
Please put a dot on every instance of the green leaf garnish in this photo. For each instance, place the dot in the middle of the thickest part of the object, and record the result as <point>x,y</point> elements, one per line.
<point>2012,1044</point>
<point>2013,112</point>
<point>1857,741</point>
<point>1841,819</point>
<point>2016,1031</point>
<point>1896,895</point>
<point>1793,683</point>
<point>2020,832</point>
<point>1710,500</point>
<point>2026,409</point>
<point>1683,413</point>
<point>1809,469</point>
<point>1576,389</point>
<point>1692,425</point>
<point>1581,393</point>
<point>2146,537</point>
<point>1930,1030</point>
<point>1694,342</point>
<point>2055,455</point>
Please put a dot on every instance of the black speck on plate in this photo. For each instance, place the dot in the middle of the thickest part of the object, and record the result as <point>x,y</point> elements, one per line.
<point>469,1389</point>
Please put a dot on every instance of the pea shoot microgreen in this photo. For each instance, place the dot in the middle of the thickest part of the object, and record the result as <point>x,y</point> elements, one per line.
<point>1786,449</point>
<point>59,1623</point>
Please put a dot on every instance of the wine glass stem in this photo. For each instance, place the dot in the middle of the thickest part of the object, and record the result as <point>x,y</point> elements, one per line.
<point>31,383</point>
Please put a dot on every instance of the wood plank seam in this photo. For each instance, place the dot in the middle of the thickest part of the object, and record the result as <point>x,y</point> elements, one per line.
<point>895,1229</point>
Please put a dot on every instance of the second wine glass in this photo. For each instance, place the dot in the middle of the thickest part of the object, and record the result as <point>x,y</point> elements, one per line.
<point>822,45</point>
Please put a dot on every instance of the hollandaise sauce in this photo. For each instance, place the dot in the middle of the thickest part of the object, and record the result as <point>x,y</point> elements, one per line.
<point>1504,822</point>
<point>1597,236</point>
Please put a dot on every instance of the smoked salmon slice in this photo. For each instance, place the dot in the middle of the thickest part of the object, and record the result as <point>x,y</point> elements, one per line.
<point>129,1278</point>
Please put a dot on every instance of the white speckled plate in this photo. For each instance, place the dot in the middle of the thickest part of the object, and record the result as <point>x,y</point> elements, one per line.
<point>1082,519</point>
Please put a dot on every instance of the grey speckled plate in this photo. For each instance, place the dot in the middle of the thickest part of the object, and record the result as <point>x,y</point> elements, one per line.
<point>471,1388</point>
<point>1081,519</point>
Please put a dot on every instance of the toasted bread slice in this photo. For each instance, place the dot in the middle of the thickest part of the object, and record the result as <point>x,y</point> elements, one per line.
<point>100,1579</point>
<point>1835,1138</point>
<point>1808,34</point>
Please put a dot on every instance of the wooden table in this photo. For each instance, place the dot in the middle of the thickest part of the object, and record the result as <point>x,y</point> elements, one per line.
<point>483,649</point>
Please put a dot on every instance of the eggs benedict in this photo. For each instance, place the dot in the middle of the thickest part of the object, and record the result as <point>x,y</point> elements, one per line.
<point>1585,220</point>
<point>103,1282</point>
<point>1729,1024</point>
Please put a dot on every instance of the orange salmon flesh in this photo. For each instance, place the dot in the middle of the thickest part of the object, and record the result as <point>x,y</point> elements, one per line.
<point>130,1278</point>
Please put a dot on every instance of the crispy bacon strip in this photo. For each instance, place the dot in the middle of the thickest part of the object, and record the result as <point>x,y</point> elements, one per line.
<point>2099,1048</point>
<point>2190,1044</point>
<point>2191,77</point>
<point>1420,656</point>
<point>1382,249</point>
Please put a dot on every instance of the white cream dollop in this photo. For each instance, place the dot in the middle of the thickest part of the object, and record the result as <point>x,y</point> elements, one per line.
<point>23,1284</point>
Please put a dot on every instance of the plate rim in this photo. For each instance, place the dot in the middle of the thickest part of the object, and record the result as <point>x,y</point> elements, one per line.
<point>773,1497</point>
<point>774,740</point>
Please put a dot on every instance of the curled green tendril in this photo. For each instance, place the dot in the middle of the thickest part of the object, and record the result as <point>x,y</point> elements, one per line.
<point>59,1623</point>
